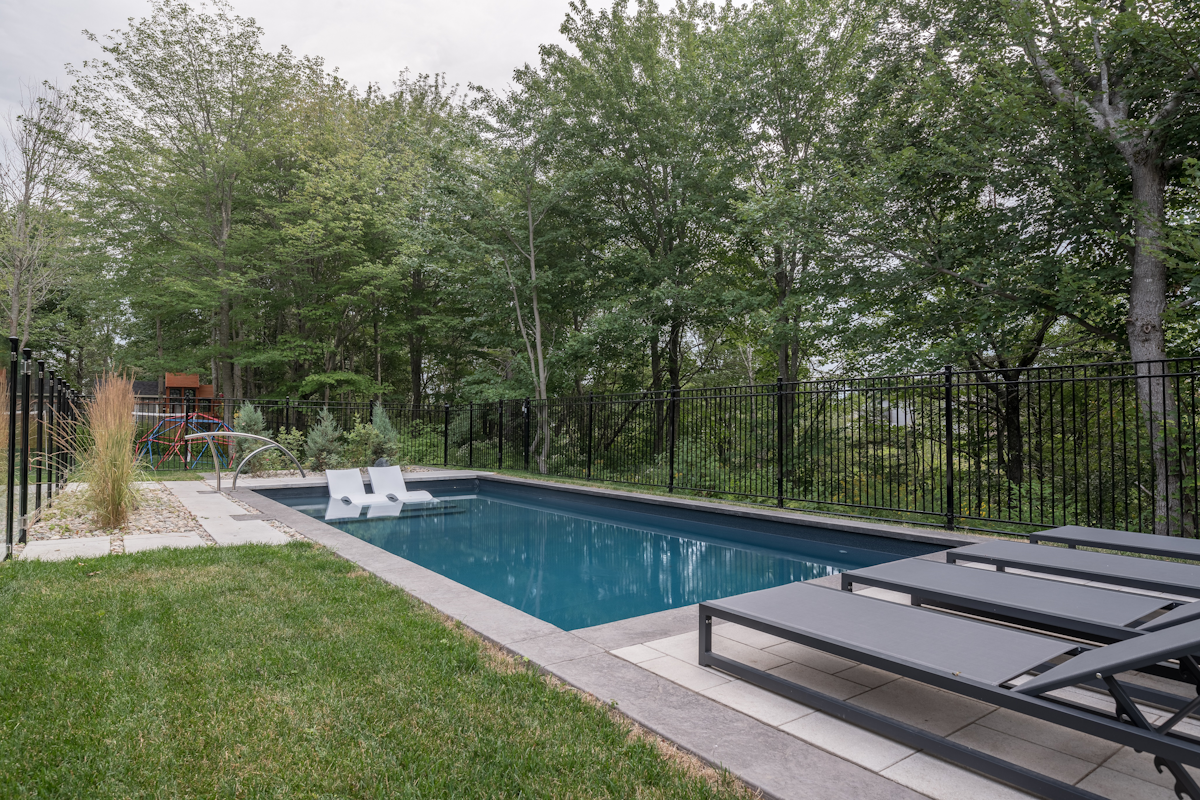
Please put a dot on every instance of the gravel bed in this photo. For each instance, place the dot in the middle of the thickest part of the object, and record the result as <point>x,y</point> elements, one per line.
<point>158,511</point>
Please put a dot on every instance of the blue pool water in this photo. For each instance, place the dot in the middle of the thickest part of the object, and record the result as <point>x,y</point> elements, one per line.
<point>580,566</point>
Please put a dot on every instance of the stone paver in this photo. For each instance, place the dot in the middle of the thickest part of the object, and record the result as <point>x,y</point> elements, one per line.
<point>686,675</point>
<point>1022,752</point>
<point>940,780</point>
<point>848,741</point>
<point>136,543</point>
<point>66,549</point>
<point>756,702</point>
<point>215,514</point>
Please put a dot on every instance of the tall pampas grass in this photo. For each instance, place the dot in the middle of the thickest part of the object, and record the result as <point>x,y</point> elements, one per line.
<point>107,452</point>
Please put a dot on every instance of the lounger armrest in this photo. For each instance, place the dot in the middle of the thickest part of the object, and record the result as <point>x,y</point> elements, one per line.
<point>1142,651</point>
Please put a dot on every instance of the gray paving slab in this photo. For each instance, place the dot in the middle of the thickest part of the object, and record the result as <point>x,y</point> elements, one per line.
<point>215,513</point>
<point>554,648</point>
<point>139,542</point>
<point>765,757</point>
<point>66,549</point>
<point>637,630</point>
<point>504,624</point>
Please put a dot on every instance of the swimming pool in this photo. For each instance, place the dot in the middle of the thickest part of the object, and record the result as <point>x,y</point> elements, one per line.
<point>575,563</point>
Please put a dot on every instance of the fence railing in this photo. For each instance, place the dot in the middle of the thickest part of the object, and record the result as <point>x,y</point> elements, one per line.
<point>36,439</point>
<point>1105,445</point>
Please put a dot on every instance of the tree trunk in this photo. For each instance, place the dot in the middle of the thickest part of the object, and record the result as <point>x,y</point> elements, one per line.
<point>378,363</point>
<point>1173,513</point>
<point>415,369</point>
<point>224,363</point>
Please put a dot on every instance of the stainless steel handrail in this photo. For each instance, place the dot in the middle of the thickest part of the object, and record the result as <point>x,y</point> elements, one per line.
<point>235,434</point>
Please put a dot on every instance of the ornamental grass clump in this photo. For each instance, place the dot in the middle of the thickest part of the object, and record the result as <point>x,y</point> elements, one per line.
<point>108,464</point>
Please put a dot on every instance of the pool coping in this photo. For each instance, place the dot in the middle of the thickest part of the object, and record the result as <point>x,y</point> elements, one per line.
<point>772,762</point>
<point>785,516</point>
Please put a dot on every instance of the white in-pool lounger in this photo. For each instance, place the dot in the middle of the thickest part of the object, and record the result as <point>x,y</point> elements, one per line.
<point>389,483</point>
<point>346,485</point>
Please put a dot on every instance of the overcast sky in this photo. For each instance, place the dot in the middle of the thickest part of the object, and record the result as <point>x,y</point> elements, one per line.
<point>478,41</point>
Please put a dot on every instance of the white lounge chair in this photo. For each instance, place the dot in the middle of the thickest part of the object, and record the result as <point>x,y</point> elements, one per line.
<point>346,485</point>
<point>384,508</point>
<point>389,482</point>
<point>339,510</point>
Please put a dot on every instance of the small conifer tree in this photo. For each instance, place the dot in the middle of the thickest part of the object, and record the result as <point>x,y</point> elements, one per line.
<point>324,442</point>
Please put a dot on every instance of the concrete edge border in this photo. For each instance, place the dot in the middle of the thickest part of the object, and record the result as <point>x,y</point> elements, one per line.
<point>769,761</point>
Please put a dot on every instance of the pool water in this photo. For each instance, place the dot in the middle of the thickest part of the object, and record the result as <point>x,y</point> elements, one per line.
<point>580,567</point>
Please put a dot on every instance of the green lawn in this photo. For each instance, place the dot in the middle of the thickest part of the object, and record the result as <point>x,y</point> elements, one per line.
<point>284,672</point>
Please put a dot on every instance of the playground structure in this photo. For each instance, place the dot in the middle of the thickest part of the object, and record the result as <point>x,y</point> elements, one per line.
<point>166,443</point>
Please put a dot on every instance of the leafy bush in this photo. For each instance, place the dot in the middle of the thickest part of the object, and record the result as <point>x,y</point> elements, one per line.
<point>323,447</point>
<point>250,420</point>
<point>293,440</point>
<point>366,444</point>
<point>107,452</point>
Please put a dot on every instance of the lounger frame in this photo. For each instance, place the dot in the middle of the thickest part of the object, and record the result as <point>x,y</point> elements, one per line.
<point>1046,621</point>
<point>967,556</point>
<point>1074,536</point>
<point>1060,712</point>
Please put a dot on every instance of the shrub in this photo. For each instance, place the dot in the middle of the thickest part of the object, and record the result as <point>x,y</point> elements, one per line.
<point>323,446</point>
<point>250,420</point>
<point>107,452</point>
<point>387,444</point>
<point>294,441</point>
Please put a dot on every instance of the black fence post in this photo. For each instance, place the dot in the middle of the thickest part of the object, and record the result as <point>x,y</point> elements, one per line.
<point>672,421</point>
<point>949,411</point>
<point>51,428</point>
<point>500,434</point>
<point>590,402</point>
<point>287,414</point>
<point>62,422</point>
<point>187,443</point>
<point>445,434</point>
<point>525,411</point>
<point>779,441</point>
<point>11,497</point>
<point>471,434</point>
<point>27,373</point>
<point>41,421</point>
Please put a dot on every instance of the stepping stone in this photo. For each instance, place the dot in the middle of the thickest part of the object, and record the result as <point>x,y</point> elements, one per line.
<point>66,549</point>
<point>136,543</point>
<point>248,532</point>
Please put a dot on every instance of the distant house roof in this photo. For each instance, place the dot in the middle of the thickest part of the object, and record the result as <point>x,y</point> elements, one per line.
<point>145,388</point>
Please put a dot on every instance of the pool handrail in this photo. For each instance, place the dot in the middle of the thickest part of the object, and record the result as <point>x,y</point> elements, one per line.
<point>207,435</point>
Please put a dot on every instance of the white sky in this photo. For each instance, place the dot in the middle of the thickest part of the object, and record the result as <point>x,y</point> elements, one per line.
<point>480,41</point>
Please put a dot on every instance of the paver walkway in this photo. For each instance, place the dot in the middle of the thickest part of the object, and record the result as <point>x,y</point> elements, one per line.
<point>1088,762</point>
<point>215,513</point>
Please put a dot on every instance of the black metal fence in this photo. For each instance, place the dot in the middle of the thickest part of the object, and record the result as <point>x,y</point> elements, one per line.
<point>1105,445</point>
<point>38,433</point>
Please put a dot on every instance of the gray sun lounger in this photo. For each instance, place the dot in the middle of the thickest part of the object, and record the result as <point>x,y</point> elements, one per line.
<point>1100,615</point>
<point>970,658</point>
<point>1140,573</point>
<point>1124,541</point>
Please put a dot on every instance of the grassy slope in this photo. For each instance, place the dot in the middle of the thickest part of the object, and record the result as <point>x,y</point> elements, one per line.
<point>281,672</point>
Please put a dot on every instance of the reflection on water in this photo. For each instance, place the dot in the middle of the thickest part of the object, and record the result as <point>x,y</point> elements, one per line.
<point>575,571</point>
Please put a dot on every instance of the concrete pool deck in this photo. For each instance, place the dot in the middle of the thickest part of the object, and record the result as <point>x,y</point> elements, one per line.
<point>647,666</point>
